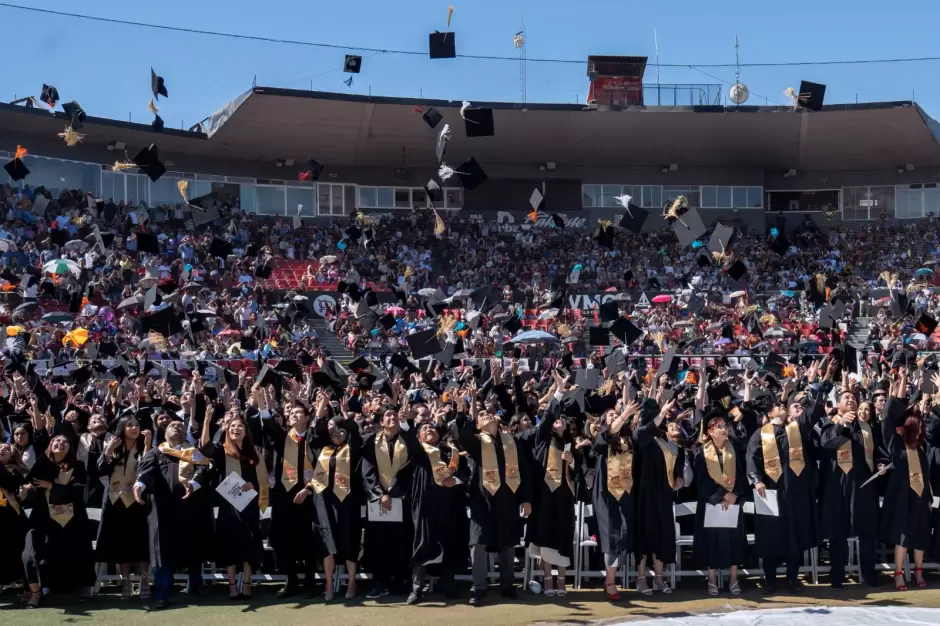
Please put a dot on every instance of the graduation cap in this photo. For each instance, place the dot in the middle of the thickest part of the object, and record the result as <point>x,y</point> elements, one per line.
<point>774,364</point>
<point>737,270</point>
<point>220,248</point>
<point>597,405</point>
<point>615,362</point>
<point>442,45</point>
<point>633,219</point>
<point>537,201</point>
<point>148,160</point>
<point>625,330</point>
<point>669,364</point>
<point>926,324</point>
<point>387,321</point>
<point>605,236</point>
<point>512,325</point>
<point>432,117</point>
<point>352,64</point>
<point>157,124</point>
<point>359,364</point>
<point>752,325</point>
<point>588,378</point>
<point>158,85</point>
<point>424,343</point>
<point>49,95</point>
<point>16,168</point>
<point>75,302</point>
<point>720,238</point>
<point>311,171</point>
<point>721,394</point>
<point>58,236</point>
<point>165,321</point>
<point>689,227</point>
<point>263,272</point>
<point>75,113</point>
<point>558,221</point>
<point>598,336</point>
<point>609,311</point>
<point>478,121</point>
<point>850,358</point>
<point>434,191</point>
<point>288,366</point>
<point>811,95</point>
<point>780,245</point>
<point>402,363</point>
<point>471,175</point>
<point>147,242</point>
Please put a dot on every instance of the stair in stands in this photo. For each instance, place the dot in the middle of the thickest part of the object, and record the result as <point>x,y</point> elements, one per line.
<point>859,332</point>
<point>329,342</point>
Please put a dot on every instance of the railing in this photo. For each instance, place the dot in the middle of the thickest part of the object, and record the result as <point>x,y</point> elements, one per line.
<point>682,95</point>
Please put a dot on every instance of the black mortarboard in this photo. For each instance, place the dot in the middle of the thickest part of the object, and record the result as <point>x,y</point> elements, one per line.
<point>157,85</point>
<point>609,311</point>
<point>59,236</point>
<point>471,175</point>
<point>828,317</point>
<point>605,236</point>
<point>359,364</point>
<point>108,349</point>
<point>352,64</point>
<point>81,375</point>
<point>597,405</point>
<point>774,364</point>
<point>442,45</point>
<point>513,324</point>
<point>633,219</point>
<point>402,363</point>
<point>387,321</point>
<point>16,169</point>
<point>148,160</point>
<point>811,95</point>
<point>850,358</point>
<point>366,380</point>
<point>432,117</point>
<point>434,191</point>
<point>598,336</point>
<point>479,121</point>
<point>49,95</point>
<point>668,366</point>
<point>248,343</point>
<point>780,245</point>
<point>587,379</point>
<point>720,238</point>
<point>312,171</point>
<point>157,124</point>
<point>75,113</point>
<point>615,362</point>
<point>737,270</point>
<point>220,248</point>
<point>926,324</point>
<point>558,221</point>
<point>165,321</point>
<point>263,272</point>
<point>424,343</point>
<point>147,242</point>
<point>689,227</point>
<point>288,366</point>
<point>625,330</point>
<point>267,376</point>
<point>721,394</point>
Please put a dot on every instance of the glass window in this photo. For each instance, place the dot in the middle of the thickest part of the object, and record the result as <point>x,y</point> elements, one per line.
<point>610,192</point>
<point>671,192</point>
<point>336,200</point>
<point>419,198</point>
<point>323,199</point>
<point>454,197</point>
<point>349,195</point>
<point>635,192</point>
<point>652,197</point>
<point>301,196</point>
<point>402,198</point>
<point>902,206</point>
<point>367,197</point>
<point>130,187</point>
<point>107,187</point>
<point>723,197</point>
<point>931,200</point>
<point>709,197</point>
<point>270,200</point>
<point>590,195</point>
<point>755,197</point>
<point>246,197</point>
<point>739,197</point>
<point>386,198</point>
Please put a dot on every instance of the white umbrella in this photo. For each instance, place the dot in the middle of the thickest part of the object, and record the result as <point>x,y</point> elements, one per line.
<point>326,260</point>
<point>59,265</point>
<point>427,292</point>
<point>737,294</point>
<point>7,245</point>
<point>75,244</point>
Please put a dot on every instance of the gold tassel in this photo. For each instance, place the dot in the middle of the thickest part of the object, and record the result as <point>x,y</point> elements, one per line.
<point>120,166</point>
<point>183,186</point>
<point>672,213</point>
<point>71,137</point>
<point>821,283</point>
<point>604,224</point>
<point>768,319</point>
<point>152,107</point>
<point>439,228</point>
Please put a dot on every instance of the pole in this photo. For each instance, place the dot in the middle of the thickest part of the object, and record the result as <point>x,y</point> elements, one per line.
<point>658,90</point>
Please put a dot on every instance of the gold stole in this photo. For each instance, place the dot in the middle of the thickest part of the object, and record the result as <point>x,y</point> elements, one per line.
<point>439,469</point>
<point>388,469</point>
<point>771,453</point>
<point>491,481</point>
<point>321,475</point>
<point>669,456</point>
<point>8,498</point>
<point>61,513</point>
<point>724,473</point>
<point>235,465</point>
<point>620,471</point>
<point>556,470</point>
<point>914,472</point>
<point>844,457</point>
<point>122,481</point>
<point>289,476</point>
<point>189,457</point>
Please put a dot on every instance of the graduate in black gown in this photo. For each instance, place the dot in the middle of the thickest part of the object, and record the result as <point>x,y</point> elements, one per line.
<point>122,534</point>
<point>776,460</point>
<point>386,475</point>
<point>90,447</point>
<point>438,508</point>
<point>13,520</point>
<point>238,543</point>
<point>847,508</point>
<point>614,453</point>
<point>292,516</point>
<point>932,440</point>
<point>173,482</point>
<point>58,552</point>
<point>721,479</point>
<point>335,450</point>
<point>908,500</point>
<point>660,474</point>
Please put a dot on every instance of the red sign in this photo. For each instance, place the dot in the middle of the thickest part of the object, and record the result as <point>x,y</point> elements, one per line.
<point>616,90</point>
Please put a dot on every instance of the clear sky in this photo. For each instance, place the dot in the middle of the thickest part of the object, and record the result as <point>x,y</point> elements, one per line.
<point>106,67</point>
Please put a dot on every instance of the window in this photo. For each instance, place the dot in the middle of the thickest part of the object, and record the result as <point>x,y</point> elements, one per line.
<point>755,197</point>
<point>386,198</point>
<point>453,197</point>
<point>915,201</point>
<point>604,195</point>
<point>709,196</point>
<point>671,192</point>
<point>270,200</point>
<point>739,197</point>
<point>723,198</point>
<point>611,192</point>
<point>301,196</point>
<point>333,198</point>
<point>419,199</point>
<point>402,198</point>
<point>368,197</point>
<point>652,197</point>
<point>867,203</point>
<point>591,195</point>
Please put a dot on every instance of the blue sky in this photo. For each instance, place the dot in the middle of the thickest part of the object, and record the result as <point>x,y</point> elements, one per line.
<point>106,66</point>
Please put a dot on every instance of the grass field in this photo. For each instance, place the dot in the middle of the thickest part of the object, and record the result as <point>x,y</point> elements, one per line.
<point>578,608</point>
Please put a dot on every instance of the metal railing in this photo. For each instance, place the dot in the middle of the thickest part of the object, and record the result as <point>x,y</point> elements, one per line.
<point>682,95</point>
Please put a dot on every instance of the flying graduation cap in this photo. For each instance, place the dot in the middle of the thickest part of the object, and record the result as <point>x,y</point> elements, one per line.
<point>478,121</point>
<point>158,85</point>
<point>148,160</point>
<point>311,171</point>
<point>443,45</point>
<point>49,95</point>
<point>16,168</point>
<point>352,64</point>
<point>431,116</point>
<point>75,113</point>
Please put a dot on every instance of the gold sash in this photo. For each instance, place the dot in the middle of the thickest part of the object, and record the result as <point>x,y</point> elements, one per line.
<point>189,457</point>
<point>8,498</point>
<point>620,472</point>
<point>388,469</point>
<point>914,472</point>
<point>724,473</point>
<point>289,476</point>
<point>669,456</point>
<point>771,452</point>
<point>233,464</point>
<point>441,470</point>
<point>491,480</point>
<point>61,513</point>
<point>341,477</point>
<point>844,457</point>
<point>555,468</point>
<point>122,481</point>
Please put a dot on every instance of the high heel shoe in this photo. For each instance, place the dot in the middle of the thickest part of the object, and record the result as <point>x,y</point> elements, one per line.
<point>903,585</point>
<point>233,596</point>
<point>612,593</point>
<point>712,590</point>
<point>920,583</point>
<point>660,585</point>
<point>644,589</point>
<point>34,598</point>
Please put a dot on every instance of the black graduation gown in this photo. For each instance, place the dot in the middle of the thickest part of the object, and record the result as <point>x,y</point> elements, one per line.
<point>796,529</point>
<point>13,527</point>
<point>932,432</point>
<point>846,509</point>
<point>95,490</point>
<point>905,518</point>
<point>291,524</point>
<point>615,519</point>
<point>338,524</point>
<point>719,548</point>
<point>495,520</point>
<point>388,545</point>
<point>441,527</point>
<point>55,556</point>
<point>655,518</point>
<point>122,533</point>
<point>553,516</point>
<point>180,531</point>
<point>237,533</point>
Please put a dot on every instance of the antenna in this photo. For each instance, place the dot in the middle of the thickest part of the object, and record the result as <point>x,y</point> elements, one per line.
<point>656,44</point>
<point>518,41</point>
<point>739,92</point>
<point>737,62</point>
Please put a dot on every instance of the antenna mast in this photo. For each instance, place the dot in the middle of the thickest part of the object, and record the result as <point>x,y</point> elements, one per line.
<point>519,42</point>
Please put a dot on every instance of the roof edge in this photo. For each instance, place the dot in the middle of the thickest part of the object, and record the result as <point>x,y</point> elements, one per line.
<point>102,121</point>
<point>933,126</point>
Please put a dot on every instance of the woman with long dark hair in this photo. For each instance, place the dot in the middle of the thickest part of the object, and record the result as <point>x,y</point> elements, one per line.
<point>908,501</point>
<point>238,533</point>
<point>13,520</point>
<point>122,534</point>
<point>58,553</point>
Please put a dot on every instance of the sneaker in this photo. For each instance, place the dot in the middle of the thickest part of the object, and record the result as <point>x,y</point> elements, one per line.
<point>413,598</point>
<point>378,592</point>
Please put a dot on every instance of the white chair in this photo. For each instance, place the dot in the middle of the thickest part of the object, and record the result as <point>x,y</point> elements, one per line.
<point>683,541</point>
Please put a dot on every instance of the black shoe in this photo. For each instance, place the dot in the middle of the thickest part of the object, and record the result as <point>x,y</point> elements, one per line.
<point>838,586</point>
<point>413,598</point>
<point>873,583</point>
<point>795,587</point>
<point>287,591</point>
<point>769,589</point>
<point>508,592</point>
<point>477,600</point>
<point>195,591</point>
<point>378,592</point>
<point>159,605</point>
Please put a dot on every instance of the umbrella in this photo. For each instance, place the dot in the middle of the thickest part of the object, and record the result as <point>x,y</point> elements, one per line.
<point>62,266</point>
<point>7,245</point>
<point>231,332</point>
<point>883,301</point>
<point>777,333</point>
<point>549,314</point>
<point>788,294</point>
<point>737,294</point>
<point>395,310</point>
<point>722,341</point>
<point>663,298</point>
<point>57,317</point>
<point>916,337</point>
<point>11,256</point>
<point>129,302</point>
<point>75,244</point>
<point>681,324</point>
<point>25,307</point>
<point>924,271</point>
<point>326,260</point>
<point>427,292</point>
<point>533,336</point>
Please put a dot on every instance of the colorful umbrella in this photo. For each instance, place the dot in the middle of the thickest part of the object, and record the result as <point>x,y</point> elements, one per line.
<point>662,299</point>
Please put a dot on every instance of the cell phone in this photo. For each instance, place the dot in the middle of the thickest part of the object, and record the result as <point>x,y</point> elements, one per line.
<point>567,447</point>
